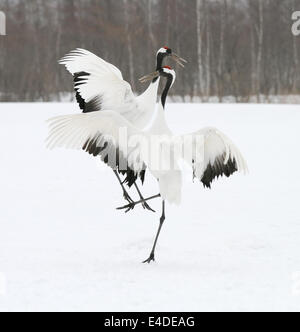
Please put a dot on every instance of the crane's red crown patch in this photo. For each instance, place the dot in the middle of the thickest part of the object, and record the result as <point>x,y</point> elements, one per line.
<point>168,67</point>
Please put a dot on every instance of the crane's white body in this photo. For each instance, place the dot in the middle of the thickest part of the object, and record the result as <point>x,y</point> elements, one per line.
<point>168,171</point>
<point>105,85</point>
<point>72,131</point>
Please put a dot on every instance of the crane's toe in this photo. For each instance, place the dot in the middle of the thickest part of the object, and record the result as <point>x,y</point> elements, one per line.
<point>150,259</point>
<point>127,207</point>
<point>130,207</point>
<point>148,207</point>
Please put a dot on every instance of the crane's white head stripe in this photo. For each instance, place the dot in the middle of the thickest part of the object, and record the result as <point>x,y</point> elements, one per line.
<point>162,50</point>
<point>172,72</point>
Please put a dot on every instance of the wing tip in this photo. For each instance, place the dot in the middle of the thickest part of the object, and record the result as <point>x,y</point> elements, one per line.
<point>219,169</point>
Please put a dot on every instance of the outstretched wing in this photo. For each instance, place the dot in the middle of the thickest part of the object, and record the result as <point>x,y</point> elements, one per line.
<point>99,85</point>
<point>104,134</point>
<point>214,155</point>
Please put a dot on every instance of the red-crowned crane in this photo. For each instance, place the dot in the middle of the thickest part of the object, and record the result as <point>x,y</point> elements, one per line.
<point>211,153</point>
<point>99,85</point>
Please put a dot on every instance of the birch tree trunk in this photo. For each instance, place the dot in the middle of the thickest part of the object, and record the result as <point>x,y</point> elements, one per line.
<point>221,53</point>
<point>208,50</point>
<point>295,56</point>
<point>150,22</point>
<point>253,63</point>
<point>129,44</point>
<point>199,47</point>
<point>260,47</point>
<point>168,23</point>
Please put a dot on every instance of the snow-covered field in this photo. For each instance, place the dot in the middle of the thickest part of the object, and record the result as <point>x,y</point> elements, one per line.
<point>64,247</point>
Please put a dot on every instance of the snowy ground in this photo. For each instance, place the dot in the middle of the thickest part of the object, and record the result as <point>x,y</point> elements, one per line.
<point>64,247</point>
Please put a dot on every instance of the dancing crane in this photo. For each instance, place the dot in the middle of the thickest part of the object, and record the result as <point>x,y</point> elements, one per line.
<point>99,85</point>
<point>219,156</point>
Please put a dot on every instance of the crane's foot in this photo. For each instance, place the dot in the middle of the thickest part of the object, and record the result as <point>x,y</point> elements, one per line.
<point>128,207</point>
<point>146,206</point>
<point>132,205</point>
<point>150,259</point>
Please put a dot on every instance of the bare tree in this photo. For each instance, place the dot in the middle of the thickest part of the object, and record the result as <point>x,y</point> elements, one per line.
<point>260,46</point>
<point>220,79</point>
<point>208,51</point>
<point>235,48</point>
<point>199,44</point>
<point>129,42</point>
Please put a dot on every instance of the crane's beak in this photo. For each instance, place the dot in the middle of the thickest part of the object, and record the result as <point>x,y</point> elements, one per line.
<point>149,77</point>
<point>178,59</point>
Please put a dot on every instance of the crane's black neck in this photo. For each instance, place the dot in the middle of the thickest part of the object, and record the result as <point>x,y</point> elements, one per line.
<point>166,90</point>
<point>159,64</point>
<point>159,61</point>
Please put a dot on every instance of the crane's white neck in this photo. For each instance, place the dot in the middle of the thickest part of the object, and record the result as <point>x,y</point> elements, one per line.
<point>147,102</point>
<point>151,92</point>
<point>159,125</point>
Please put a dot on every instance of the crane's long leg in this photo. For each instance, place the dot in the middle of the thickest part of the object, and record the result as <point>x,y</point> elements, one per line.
<point>132,205</point>
<point>125,193</point>
<point>144,203</point>
<point>162,220</point>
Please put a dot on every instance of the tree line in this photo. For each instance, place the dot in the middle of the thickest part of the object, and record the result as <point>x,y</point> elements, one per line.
<point>241,48</point>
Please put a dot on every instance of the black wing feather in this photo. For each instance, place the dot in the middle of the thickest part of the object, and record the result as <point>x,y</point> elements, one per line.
<point>218,169</point>
<point>93,105</point>
<point>94,149</point>
<point>91,145</point>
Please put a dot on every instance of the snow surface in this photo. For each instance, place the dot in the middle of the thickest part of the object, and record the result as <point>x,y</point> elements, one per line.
<point>64,247</point>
